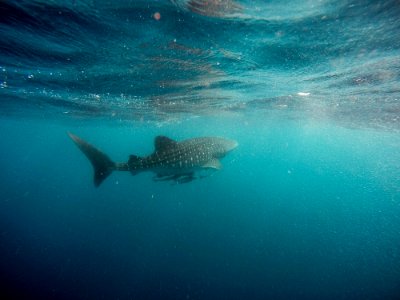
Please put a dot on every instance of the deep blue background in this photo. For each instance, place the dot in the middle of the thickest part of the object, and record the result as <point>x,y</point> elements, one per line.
<point>300,210</point>
<point>308,205</point>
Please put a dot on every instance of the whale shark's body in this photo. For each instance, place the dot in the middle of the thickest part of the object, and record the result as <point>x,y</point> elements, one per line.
<point>171,160</point>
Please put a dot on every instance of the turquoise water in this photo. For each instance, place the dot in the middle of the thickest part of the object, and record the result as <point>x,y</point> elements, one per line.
<point>308,205</point>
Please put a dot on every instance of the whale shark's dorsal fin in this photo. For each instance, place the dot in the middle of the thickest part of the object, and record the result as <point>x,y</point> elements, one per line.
<point>162,143</point>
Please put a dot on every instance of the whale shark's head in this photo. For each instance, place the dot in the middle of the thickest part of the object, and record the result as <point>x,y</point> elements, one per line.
<point>229,145</point>
<point>223,146</point>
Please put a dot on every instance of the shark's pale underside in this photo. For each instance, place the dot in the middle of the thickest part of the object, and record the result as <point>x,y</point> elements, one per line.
<point>171,160</point>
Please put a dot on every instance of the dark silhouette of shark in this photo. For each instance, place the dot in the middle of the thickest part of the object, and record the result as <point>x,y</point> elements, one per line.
<point>171,160</point>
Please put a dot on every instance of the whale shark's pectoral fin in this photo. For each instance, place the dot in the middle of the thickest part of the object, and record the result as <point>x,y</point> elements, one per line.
<point>213,164</point>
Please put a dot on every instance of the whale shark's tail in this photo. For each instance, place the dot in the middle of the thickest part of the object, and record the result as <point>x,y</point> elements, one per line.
<point>102,164</point>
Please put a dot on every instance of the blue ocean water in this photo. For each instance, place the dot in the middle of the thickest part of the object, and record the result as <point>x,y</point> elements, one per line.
<point>308,205</point>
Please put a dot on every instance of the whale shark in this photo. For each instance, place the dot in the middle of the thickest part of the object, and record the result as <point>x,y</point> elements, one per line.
<point>177,161</point>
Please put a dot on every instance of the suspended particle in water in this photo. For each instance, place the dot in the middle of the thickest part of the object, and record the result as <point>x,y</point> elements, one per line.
<point>303,94</point>
<point>157,16</point>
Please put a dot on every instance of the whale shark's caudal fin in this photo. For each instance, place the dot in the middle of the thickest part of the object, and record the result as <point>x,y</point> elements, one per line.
<point>102,164</point>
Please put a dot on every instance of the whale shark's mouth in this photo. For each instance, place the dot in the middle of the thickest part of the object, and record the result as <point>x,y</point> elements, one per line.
<point>232,144</point>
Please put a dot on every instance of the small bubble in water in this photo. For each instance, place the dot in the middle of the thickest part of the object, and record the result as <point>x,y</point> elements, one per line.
<point>30,76</point>
<point>157,16</point>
